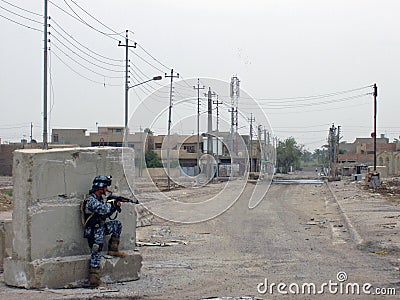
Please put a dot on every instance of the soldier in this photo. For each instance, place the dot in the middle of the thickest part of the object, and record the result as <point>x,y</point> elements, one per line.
<point>96,211</point>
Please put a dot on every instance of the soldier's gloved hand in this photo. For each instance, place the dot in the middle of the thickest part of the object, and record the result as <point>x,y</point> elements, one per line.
<point>115,205</point>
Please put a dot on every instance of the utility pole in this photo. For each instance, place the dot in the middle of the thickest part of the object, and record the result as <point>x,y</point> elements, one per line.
<point>45,141</point>
<point>333,141</point>
<point>235,93</point>
<point>31,137</point>
<point>375,108</point>
<point>127,46</point>
<point>209,134</point>
<point>251,120</point>
<point>198,88</point>
<point>209,123</point>
<point>217,102</point>
<point>172,76</point>
<point>233,112</point>
<point>259,128</point>
<point>337,150</point>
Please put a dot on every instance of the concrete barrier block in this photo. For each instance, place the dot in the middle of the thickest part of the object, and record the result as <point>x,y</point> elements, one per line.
<point>69,272</point>
<point>6,238</point>
<point>48,235</point>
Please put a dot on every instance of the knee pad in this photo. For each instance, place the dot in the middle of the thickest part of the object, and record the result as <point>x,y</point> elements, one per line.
<point>97,247</point>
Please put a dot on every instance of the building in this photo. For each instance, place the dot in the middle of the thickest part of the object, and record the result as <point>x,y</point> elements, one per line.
<point>361,153</point>
<point>184,149</point>
<point>70,136</point>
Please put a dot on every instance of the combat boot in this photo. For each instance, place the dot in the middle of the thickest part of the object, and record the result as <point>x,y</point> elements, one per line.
<point>113,247</point>
<point>94,277</point>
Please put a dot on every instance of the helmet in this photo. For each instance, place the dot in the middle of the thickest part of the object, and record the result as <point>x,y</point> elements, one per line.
<point>101,181</point>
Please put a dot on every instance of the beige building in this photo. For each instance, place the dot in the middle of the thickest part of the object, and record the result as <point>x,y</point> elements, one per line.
<point>361,152</point>
<point>70,136</point>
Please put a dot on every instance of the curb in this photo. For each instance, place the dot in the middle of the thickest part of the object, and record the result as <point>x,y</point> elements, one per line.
<point>355,236</point>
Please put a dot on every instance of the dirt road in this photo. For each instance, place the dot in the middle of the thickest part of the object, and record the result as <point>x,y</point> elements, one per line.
<point>296,235</point>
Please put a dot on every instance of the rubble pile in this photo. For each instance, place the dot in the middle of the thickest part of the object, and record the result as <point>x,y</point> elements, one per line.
<point>389,188</point>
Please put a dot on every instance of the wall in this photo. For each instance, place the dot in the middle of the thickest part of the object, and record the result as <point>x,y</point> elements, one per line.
<point>49,186</point>
<point>70,136</point>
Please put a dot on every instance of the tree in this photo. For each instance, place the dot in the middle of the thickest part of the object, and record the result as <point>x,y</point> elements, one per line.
<point>288,154</point>
<point>149,139</point>
<point>152,160</point>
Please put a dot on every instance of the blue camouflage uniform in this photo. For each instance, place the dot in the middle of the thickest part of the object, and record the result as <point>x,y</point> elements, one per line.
<point>99,228</point>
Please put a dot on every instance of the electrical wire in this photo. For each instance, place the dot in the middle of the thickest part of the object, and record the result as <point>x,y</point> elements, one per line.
<point>79,43</point>
<point>28,11</point>
<point>81,21</point>
<point>83,76</point>
<point>306,98</point>
<point>81,57</point>
<point>268,106</point>
<point>29,27</point>
<point>307,111</point>
<point>82,51</point>
<point>21,16</point>
<point>83,66</point>
<point>109,28</point>
<point>141,47</point>
<point>150,64</point>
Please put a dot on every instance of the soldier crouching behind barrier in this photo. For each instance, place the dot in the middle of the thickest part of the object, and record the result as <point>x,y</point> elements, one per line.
<point>95,213</point>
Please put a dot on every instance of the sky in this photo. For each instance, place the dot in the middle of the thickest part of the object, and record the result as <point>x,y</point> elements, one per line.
<point>302,65</point>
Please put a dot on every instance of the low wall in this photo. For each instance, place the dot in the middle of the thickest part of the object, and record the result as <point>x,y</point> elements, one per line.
<point>161,172</point>
<point>49,186</point>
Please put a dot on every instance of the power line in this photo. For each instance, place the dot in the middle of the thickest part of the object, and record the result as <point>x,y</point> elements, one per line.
<point>150,64</point>
<point>153,57</point>
<point>78,48</point>
<point>274,106</point>
<point>81,21</point>
<point>83,76</point>
<point>80,56</point>
<point>114,32</point>
<point>83,66</point>
<point>306,98</point>
<point>314,110</point>
<point>28,11</point>
<point>79,43</point>
<point>29,27</point>
<point>21,16</point>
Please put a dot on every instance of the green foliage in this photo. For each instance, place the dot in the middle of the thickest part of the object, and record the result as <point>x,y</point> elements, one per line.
<point>321,156</point>
<point>148,130</point>
<point>9,193</point>
<point>152,160</point>
<point>306,156</point>
<point>288,154</point>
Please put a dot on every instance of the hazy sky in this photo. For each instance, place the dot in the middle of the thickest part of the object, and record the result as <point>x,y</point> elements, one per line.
<point>281,50</point>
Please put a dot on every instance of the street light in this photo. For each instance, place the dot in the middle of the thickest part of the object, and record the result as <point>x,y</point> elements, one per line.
<point>126,118</point>
<point>126,102</point>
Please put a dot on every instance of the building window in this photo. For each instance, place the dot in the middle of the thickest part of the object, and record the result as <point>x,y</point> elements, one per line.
<point>158,146</point>
<point>189,149</point>
<point>55,138</point>
<point>118,130</point>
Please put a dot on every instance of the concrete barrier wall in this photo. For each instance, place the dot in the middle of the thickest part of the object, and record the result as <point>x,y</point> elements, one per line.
<point>6,238</point>
<point>48,189</point>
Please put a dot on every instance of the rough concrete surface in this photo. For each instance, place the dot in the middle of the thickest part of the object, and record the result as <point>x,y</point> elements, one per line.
<point>297,234</point>
<point>47,231</point>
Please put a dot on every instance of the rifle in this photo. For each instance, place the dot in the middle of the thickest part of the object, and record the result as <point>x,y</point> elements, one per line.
<point>122,199</point>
